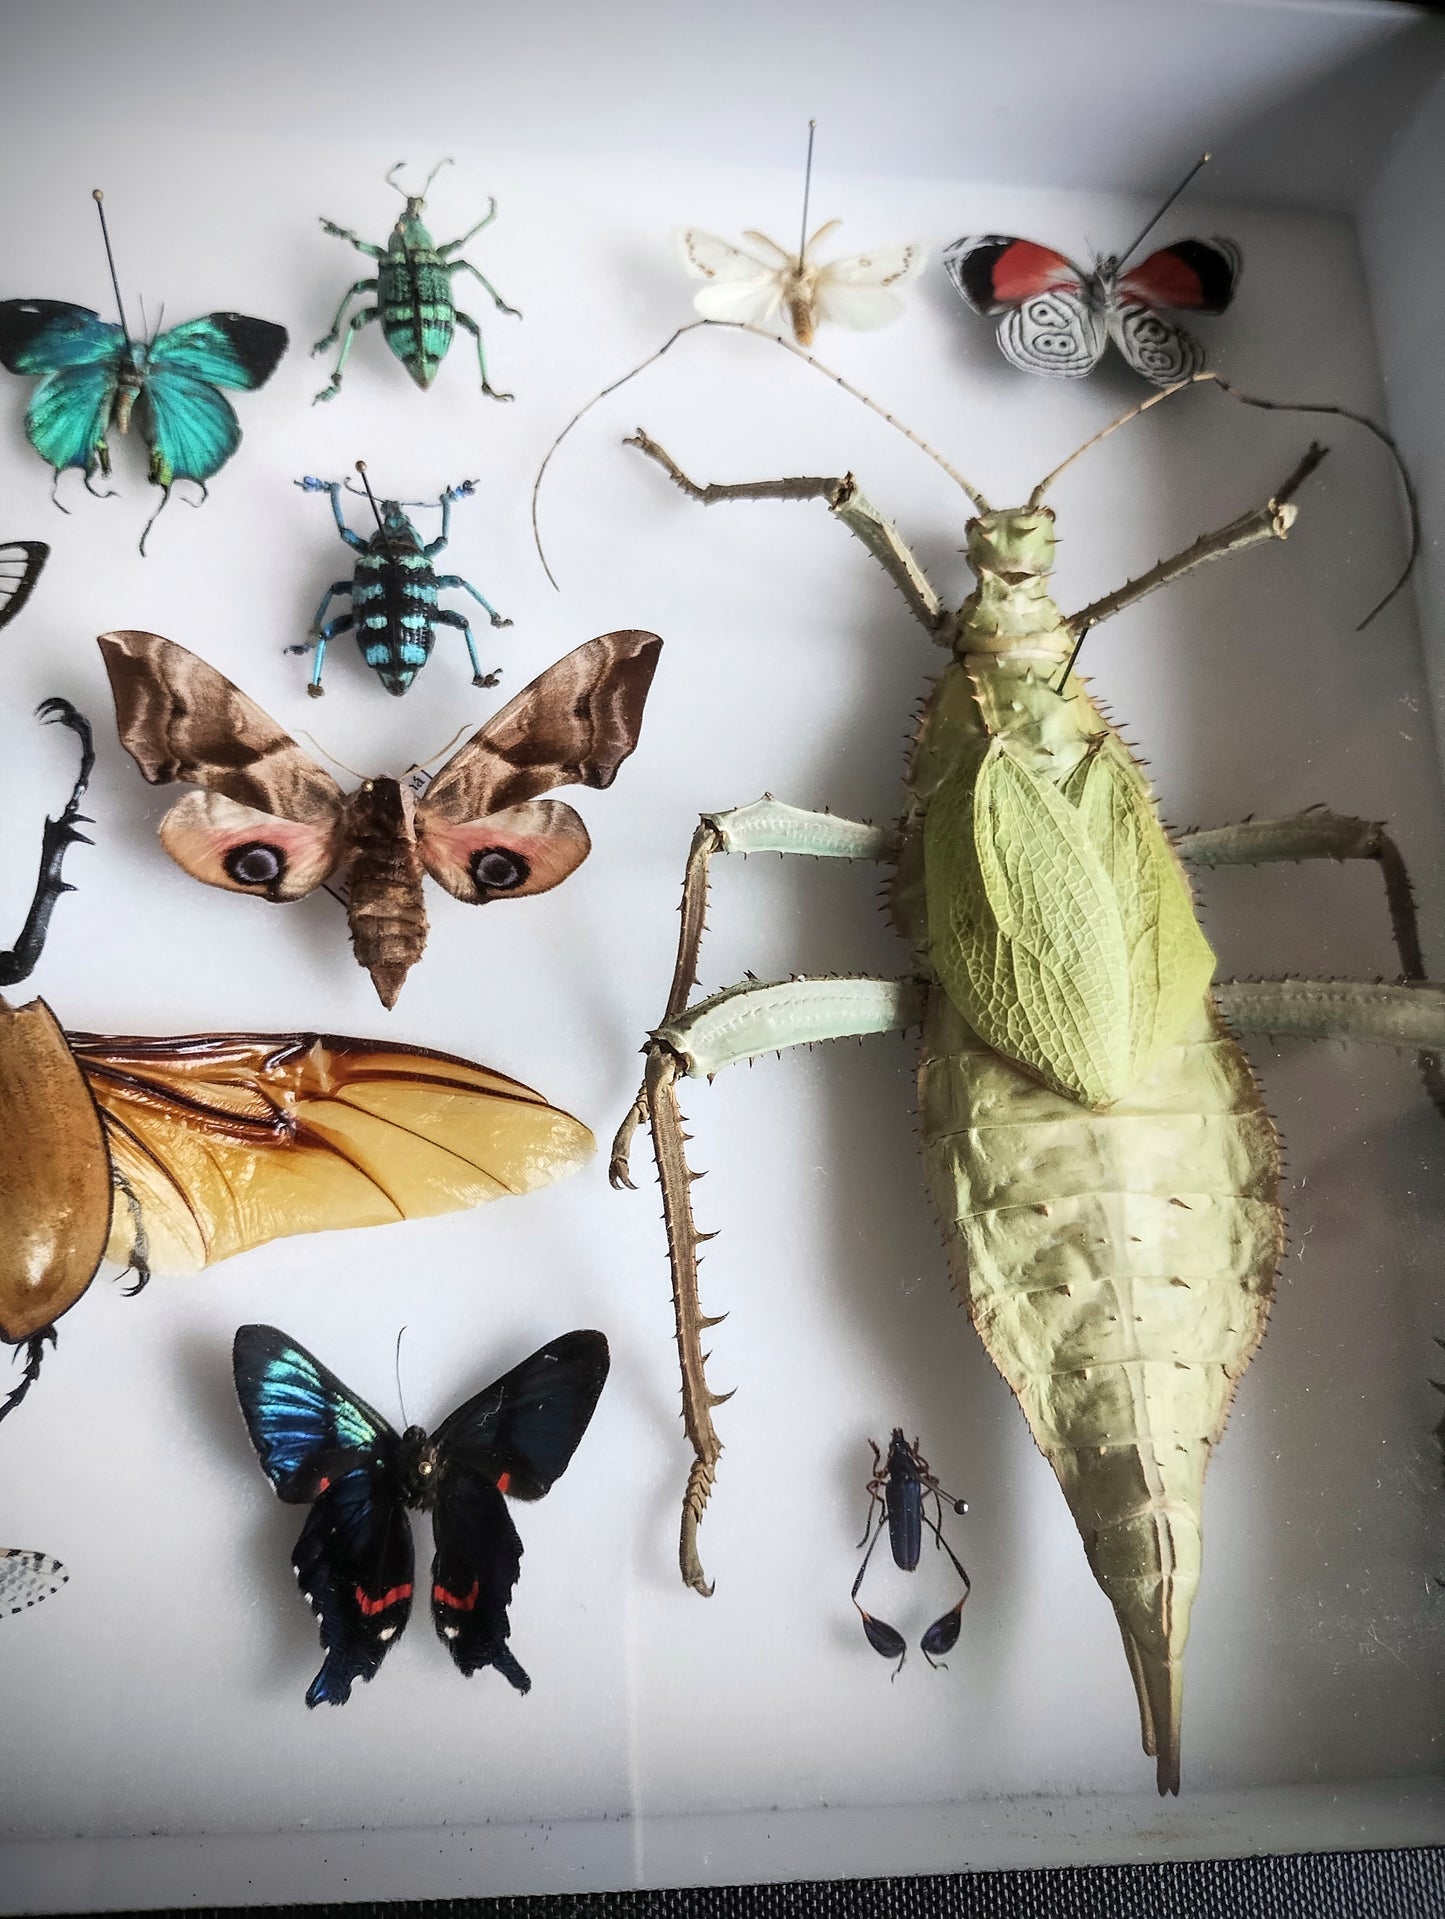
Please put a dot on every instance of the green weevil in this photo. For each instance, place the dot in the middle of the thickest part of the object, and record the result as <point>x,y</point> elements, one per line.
<point>1094,1140</point>
<point>413,289</point>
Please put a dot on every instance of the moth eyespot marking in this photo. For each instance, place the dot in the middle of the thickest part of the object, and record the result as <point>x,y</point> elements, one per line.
<point>497,869</point>
<point>255,864</point>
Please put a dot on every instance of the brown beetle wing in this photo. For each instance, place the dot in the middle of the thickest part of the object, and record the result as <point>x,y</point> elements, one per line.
<point>55,1190</point>
<point>228,1140</point>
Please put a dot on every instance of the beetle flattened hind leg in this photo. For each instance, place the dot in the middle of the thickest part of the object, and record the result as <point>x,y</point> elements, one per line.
<point>466,320</point>
<point>1318,834</point>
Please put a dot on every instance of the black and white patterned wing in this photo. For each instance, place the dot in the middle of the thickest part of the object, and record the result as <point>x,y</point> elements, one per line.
<point>21,564</point>
<point>26,1578</point>
<point>1152,345</point>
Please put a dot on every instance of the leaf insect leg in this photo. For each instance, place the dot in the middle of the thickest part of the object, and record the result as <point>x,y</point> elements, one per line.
<point>745,1020</point>
<point>363,317</point>
<point>1318,834</point>
<point>57,837</point>
<point>466,320</point>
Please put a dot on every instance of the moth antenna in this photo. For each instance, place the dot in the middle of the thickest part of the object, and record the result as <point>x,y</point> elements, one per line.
<point>332,757</point>
<point>1270,406</point>
<point>99,199</point>
<point>807,189</point>
<point>1202,161</point>
<point>361,469</point>
<point>459,734</point>
<point>399,1398</point>
<point>773,339</point>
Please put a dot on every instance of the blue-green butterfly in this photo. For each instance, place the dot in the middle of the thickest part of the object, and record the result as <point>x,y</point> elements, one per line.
<point>95,377</point>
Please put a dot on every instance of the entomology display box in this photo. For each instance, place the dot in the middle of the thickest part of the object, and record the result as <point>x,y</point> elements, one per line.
<point>157,1749</point>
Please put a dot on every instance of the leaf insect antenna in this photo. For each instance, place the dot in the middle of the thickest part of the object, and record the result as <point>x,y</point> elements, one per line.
<point>807,189</point>
<point>773,339</point>
<point>1307,465</point>
<point>1139,238</point>
<point>99,199</point>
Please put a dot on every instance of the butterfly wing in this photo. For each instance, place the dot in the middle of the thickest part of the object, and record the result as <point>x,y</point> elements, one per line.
<point>26,1578</point>
<point>478,1557</point>
<point>21,564</point>
<point>190,428</point>
<point>482,830</point>
<point>1152,345</point>
<point>522,1430</point>
<point>1201,275</point>
<point>1049,322</point>
<point>221,349</point>
<point>79,356</point>
<point>320,1444</point>
<point>227,1141</point>
<point>516,1437</point>
<point>741,287</point>
<point>858,291</point>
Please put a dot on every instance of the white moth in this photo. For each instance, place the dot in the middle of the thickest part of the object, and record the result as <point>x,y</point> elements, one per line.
<point>752,284</point>
<point>26,1578</point>
<point>856,291</point>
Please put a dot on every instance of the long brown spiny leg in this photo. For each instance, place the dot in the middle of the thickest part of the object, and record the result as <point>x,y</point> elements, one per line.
<point>1318,834</point>
<point>845,503</point>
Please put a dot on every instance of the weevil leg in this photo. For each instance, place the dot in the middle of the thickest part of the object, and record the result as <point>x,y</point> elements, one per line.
<point>465,586</point>
<point>1410,1016</point>
<point>466,320</point>
<point>1272,521</point>
<point>368,247</point>
<point>445,253</point>
<point>353,326</point>
<point>443,616</point>
<point>338,512</point>
<point>739,1023</point>
<point>1318,834</point>
<point>57,837</point>
<point>329,339</point>
<point>767,826</point>
<point>845,503</point>
<point>465,266</point>
<point>343,623</point>
<point>318,624</point>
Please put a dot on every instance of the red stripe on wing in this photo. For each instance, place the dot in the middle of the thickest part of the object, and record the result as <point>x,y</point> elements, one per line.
<point>444,1598</point>
<point>392,1598</point>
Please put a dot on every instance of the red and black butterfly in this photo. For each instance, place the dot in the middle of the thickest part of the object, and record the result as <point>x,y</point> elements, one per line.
<point>322,1446</point>
<point>1057,319</point>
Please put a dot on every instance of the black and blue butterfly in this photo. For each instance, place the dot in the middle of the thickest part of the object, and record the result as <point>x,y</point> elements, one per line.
<point>94,379</point>
<point>322,1446</point>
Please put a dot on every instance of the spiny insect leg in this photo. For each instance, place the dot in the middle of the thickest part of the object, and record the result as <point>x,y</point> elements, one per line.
<point>1318,834</point>
<point>1412,1016</point>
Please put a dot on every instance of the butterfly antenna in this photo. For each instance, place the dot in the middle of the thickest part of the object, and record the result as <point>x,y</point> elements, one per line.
<point>99,199</point>
<point>361,469</point>
<point>773,339</point>
<point>1407,485</point>
<point>1203,161</point>
<point>399,1399</point>
<point>807,189</point>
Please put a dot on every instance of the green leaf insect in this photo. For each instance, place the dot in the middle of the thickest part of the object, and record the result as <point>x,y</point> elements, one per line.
<point>413,288</point>
<point>1094,1141</point>
<point>96,377</point>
